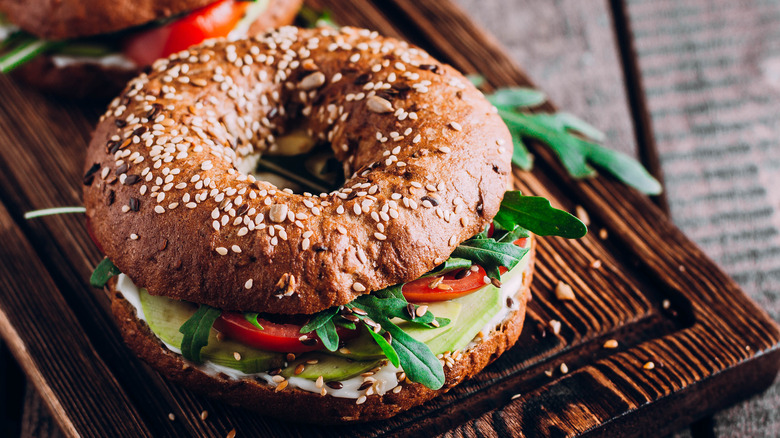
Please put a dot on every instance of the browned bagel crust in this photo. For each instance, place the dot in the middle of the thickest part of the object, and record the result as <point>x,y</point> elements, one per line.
<point>65,19</point>
<point>205,233</point>
<point>299,405</point>
<point>97,82</point>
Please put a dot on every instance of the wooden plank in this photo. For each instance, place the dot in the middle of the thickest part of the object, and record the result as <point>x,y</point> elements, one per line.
<point>693,344</point>
<point>50,344</point>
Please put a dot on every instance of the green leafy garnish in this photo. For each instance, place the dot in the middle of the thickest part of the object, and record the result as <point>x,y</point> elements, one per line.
<point>328,335</point>
<point>417,360</point>
<point>313,18</point>
<point>452,264</point>
<point>516,97</point>
<point>521,157</point>
<point>491,254</point>
<point>252,318</point>
<point>103,272</point>
<point>573,140</point>
<point>387,349</point>
<point>319,319</point>
<point>577,154</point>
<point>21,47</point>
<point>476,79</point>
<point>535,213</point>
<point>196,331</point>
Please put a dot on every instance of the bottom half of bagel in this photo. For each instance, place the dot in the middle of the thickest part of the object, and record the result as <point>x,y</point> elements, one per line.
<point>327,403</point>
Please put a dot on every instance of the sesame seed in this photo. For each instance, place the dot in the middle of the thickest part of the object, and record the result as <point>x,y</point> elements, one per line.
<point>564,368</point>
<point>456,126</point>
<point>159,209</point>
<point>278,213</point>
<point>358,287</point>
<point>611,343</point>
<point>312,81</point>
<point>204,415</point>
<point>361,400</point>
<point>380,236</point>
<point>236,355</point>
<point>171,416</point>
<point>248,284</point>
<point>221,250</point>
<point>134,236</point>
<point>379,105</point>
<point>648,366</point>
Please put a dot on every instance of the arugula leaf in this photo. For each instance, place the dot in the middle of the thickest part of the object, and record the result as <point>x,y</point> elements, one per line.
<point>491,254</point>
<point>319,319</point>
<point>572,122</point>
<point>417,360</point>
<point>387,349</point>
<point>394,291</point>
<point>516,97</point>
<point>103,272</point>
<point>328,335</point>
<point>521,157</point>
<point>196,331</point>
<point>313,18</point>
<point>252,318</point>
<point>452,264</point>
<point>346,324</point>
<point>538,216</point>
<point>476,79</point>
<point>577,154</point>
<point>511,236</point>
<point>395,308</point>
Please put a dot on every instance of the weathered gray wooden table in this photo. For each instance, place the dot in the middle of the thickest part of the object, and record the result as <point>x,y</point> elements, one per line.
<point>711,74</point>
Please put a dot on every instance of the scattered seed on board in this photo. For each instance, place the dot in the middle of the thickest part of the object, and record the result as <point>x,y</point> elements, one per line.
<point>555,325</point>
<point>564,368</point>
<point>611,343</point>
<point>582,215</point>
<point>648,366</point>
<point>564,292</point>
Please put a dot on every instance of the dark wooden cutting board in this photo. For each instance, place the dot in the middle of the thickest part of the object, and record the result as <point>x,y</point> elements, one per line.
<point>637,280</point>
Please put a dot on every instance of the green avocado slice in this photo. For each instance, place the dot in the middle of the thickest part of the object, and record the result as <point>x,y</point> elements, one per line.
<point>164,316</point>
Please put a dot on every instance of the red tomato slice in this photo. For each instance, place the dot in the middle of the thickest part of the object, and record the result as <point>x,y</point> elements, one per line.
<point>452,286</point>
<point>214,20</point>
<point>284,338</point>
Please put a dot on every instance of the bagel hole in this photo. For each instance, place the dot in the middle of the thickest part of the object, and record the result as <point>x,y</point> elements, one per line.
<point>297,162</point>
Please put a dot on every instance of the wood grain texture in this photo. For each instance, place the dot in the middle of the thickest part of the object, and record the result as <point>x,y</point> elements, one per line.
<point>698,344</point>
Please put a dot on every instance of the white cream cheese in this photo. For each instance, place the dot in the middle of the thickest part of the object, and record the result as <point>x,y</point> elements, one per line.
<point>117,60</point>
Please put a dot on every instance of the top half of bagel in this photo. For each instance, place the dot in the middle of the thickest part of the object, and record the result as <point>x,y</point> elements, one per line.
<point>104,76</point>
<point>427,161</point>
<point>67,19</point>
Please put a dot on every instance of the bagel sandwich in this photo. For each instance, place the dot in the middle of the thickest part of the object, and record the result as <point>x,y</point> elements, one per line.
<point>90,49</point>
<point>391,286</point>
